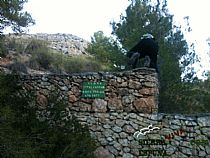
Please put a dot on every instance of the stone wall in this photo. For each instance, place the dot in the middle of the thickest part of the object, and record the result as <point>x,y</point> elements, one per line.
<point>178,136</point>
<point>129,91</point>
<point>118,121</point>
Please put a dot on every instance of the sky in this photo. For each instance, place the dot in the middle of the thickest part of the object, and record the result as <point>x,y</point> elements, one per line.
<point>78,17</point>
<point>84,17</point>
<point>199,21</point>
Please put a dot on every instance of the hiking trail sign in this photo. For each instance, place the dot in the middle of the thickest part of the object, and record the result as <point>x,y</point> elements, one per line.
<point>93,90</point>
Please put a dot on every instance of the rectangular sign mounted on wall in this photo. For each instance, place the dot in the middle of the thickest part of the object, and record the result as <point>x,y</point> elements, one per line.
<point>93,90</point>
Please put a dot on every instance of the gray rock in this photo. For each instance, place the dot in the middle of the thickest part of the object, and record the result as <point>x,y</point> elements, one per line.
<point>127,155</point>
<point>99,105</point>
<point>190,123</point>
<point>101,152</point>
<point>64,88</point>
<point>123,142</point>
<point>123,135</point>
<point>149,84</point>
<point>128,129</point>
<point>115,136</point>
<point>139,118</point>
<point>112,150</point>
<point>109,139</point>
<point>128,99</point>
<point>135,126</point>
<point>130,138</point>
<point>134,84</point>
<point>204,121</point>
<point>106,126</point>
<point>171,150</point>
<point>186,151</point>
<point>103,141</point>
<point>180,117</point>
<point>175,122</point>
<point>118,146</point>
<point>207,149</point>
<point>202,153</point>
<point>108,133</point>
<point>117,129</point>
<point>180,155</point>
<point>44,78</point>
<point>133,115</point>
<point>120,122</point>
<point>126,149</point>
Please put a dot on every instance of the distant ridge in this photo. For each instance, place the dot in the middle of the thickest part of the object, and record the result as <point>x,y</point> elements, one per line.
<point>67,43</point>
<point>18,57</point>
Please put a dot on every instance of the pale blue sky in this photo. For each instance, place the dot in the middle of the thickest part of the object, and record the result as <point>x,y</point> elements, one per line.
<point>84,17</point>
<point>78,17</point>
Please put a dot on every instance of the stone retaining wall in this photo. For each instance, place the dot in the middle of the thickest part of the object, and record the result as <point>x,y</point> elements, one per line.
<point>176,138</point>
<point>129,91</point>
<point>129,107</point>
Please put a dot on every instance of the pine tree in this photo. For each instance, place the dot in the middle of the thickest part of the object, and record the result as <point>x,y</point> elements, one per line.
<point>11,15</point>
<point>145,16</point>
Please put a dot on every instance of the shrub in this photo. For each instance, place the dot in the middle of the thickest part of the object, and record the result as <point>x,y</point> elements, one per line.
<point>42,57</point>
<point>81,64</point>
<point>18,67</point>
<point>22,135</point>
<point>34,45</point>
<point>3,50</point>
<point>57,62</point>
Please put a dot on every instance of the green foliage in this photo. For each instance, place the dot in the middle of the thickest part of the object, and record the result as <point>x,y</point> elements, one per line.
<point>175,56</point>
<point>8,44</point>
<point>13,16</point>
<point>34,45</point>
<point>143,17</point>
<point>192,98</point>
<point>3,50</point>
<point>17,45</point>
<point>106,50</point>
<point>41,54</point>
<point>22,135</point>
<point>82,64</point>
<point>65,136</point>
<point>18,67</point>
<point>48,59</point>
<point>13,142</point>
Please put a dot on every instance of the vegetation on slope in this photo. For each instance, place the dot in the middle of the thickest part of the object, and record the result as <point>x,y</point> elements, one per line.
<point>26,131</point>
<point>36,55</point>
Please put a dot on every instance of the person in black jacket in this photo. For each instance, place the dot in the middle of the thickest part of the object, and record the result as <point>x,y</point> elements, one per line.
<point>147,46</point>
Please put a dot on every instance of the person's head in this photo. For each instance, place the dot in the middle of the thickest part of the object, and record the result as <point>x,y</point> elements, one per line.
<point>147,35</point>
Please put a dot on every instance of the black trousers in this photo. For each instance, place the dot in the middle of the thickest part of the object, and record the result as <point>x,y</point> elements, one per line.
<point>135,56</point>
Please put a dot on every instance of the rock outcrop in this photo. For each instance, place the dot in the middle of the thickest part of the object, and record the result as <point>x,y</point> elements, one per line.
<point>67,43</point>
<point>19,57</point>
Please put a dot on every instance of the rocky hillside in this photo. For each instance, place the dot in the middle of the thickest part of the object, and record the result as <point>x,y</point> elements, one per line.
<point>45,53</point>
<point>67,43</point>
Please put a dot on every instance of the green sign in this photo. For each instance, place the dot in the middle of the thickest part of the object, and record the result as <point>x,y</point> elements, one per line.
<point>93,90</point>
